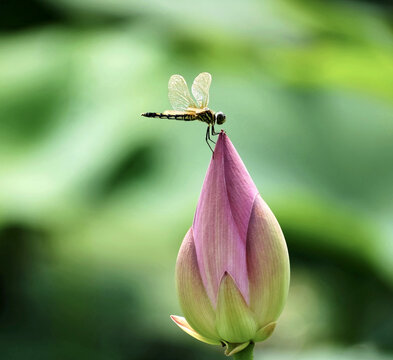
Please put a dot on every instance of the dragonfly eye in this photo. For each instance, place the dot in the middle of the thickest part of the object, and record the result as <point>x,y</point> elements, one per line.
<point>220,118</point>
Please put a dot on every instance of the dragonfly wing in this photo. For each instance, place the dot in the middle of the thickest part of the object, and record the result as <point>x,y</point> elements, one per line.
<point>178,94</point>
<point>176,112</point>
<point>196,111</point>
<point>200,89</point>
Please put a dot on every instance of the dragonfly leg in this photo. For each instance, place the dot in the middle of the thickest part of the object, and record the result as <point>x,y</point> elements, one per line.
<point>208,135</point>
<point>207,138</point>
<point>213,131</point>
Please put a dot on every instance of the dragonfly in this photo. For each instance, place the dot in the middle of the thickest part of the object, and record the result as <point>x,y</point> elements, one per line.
<point>186,108</point>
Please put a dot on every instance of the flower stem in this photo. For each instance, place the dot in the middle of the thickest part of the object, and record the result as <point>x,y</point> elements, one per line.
<point>246,354</point>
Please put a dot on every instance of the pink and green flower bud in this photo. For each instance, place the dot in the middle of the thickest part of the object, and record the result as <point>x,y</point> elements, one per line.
<point>232,270</point>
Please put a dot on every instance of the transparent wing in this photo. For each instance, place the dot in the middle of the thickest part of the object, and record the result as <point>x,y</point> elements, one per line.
<point>200,89</point>
<point>178,94</point>
<point>175,112</point>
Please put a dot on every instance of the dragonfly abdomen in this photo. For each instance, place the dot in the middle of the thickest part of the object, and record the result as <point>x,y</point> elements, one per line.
<point>184,117</point>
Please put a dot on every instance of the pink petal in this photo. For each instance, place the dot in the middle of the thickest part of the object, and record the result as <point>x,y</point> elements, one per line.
<point>268,264</point>
<point>221,220</point>
<point>193,298</point>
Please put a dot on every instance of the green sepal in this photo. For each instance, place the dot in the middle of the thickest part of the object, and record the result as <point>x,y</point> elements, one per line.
<point>234,320</point>
<point>182,323</point>
<point>263,333</point>
<point>232,349</point>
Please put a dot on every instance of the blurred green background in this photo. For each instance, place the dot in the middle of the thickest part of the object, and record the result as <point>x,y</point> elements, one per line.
<point>95,200</point>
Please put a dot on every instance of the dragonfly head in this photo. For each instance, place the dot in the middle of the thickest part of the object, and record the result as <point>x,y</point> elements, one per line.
<point>220,117</point>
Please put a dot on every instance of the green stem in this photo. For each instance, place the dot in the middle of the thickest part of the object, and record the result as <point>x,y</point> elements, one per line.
<point>246,354</point>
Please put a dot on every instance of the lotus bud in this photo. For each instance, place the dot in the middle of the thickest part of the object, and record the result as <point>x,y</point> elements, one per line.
<point>232,270</point>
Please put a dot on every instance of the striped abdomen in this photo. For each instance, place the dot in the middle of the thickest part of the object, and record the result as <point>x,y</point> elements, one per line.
<point>184,117</point>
